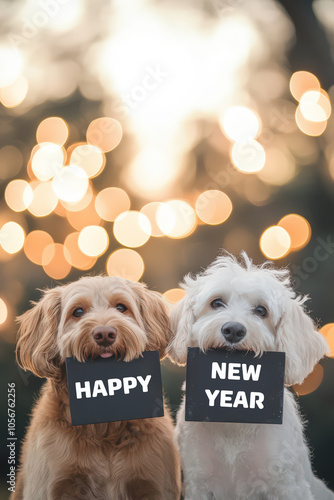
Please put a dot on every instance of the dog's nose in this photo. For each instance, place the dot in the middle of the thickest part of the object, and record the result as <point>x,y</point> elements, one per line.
<point>104,335</point>
<point>233,332</point>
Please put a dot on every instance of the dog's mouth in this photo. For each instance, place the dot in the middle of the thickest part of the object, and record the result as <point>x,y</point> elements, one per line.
<point>103,353</point>
<point>106,354</point>
<point>228,346</point>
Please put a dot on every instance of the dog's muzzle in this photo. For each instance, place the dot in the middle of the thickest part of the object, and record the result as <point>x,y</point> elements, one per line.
<point>104,336</point>
<point>233,332</point>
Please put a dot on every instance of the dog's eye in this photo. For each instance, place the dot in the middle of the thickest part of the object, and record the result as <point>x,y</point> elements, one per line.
<point>78,312</point>
<point>261,311</point>
<point>121,307</point>
<point>216,303</point>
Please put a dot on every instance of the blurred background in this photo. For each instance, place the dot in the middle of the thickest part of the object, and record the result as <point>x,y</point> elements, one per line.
<point>139,138</point>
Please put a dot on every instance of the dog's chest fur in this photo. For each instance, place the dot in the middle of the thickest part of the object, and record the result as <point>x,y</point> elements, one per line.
<point>229,457</point>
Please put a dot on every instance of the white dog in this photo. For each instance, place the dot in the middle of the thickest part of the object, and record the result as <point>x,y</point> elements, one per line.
<point>244,307</point>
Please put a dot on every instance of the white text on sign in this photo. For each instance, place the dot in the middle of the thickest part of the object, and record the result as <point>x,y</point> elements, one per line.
<point>226,399</point>
<point>235,371</point>
<point>112,385</point>
<point>232,370</point>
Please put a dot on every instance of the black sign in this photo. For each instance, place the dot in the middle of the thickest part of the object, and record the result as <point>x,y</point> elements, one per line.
<point>106,390</point>
<point>234,386</point>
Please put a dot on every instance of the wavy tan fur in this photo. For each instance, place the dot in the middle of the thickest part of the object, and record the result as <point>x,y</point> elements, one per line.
<point>118,460</point>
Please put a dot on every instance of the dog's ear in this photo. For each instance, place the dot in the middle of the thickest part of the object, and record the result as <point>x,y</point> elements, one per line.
<point>182,319</point>
<point>36,348</point>
<point>304,346</point>
<point>155,316</point>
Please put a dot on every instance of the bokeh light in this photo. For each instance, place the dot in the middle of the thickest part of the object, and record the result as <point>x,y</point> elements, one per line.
<point>176,218</point>
<point>67,17</point>
<point>299,230</point>
<point>52,130</point>
<point>275,242</point>
<point>328,332</point>
<point>181,123</point>
<point>14,94</point>
<point>84,217</point>
<point>11,64</point>
<point>312,128</point>
<point>3,312</point>
<point>125,263</point>
<point>279,168</point>
<point>44,199</point>
<point>93,240</point>
<point>301,82</point>
<point>74,255</point>
<point>47,159</point>
<point>12,237</point>
<point>89,158</point>
<point>70,183</point>
<point>83,203</point>
<point>105,133</point>
<point>111,202</point>
<point>213,207</point>
<point>173,295</point>
<point>311,383</point>
<point>150,210</point>
<point>315,106</point>
<point>55,263</point>
<point>248,156</point>
<point>150,172</point>
<point>35,244</point>
<point>132,229</point>
<point>18,195</point>
<point>240,124</point>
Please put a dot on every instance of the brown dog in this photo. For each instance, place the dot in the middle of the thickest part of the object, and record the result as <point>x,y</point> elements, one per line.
<point>95,316</point>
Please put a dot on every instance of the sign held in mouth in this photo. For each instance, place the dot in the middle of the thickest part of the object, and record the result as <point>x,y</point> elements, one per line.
<point>107,390</point>
<point>234,386</point>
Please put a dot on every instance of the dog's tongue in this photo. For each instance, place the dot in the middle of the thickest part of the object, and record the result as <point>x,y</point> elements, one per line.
<point>106,355</point>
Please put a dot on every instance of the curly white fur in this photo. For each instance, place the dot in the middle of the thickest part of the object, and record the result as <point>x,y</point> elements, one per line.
<point>226,461</point>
